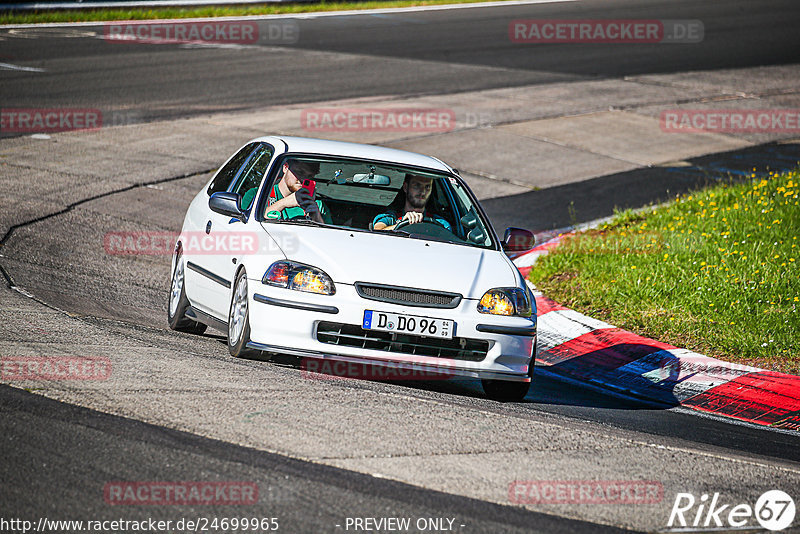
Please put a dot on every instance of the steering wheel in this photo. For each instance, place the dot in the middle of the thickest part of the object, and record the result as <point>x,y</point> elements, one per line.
<point>406,222</point>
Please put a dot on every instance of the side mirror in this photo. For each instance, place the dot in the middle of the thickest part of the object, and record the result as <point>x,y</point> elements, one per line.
<point>518,240</point>
<point>227,204</point>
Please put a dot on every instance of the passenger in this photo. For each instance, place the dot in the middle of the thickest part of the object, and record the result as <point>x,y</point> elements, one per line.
<point>289,199</point>
<point>412,203</point>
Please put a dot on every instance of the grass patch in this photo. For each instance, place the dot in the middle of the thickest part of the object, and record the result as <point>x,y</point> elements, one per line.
<point>715,271</point>
<point>103,15</point>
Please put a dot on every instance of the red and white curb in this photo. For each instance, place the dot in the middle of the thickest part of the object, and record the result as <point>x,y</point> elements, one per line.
<point>576,347</point>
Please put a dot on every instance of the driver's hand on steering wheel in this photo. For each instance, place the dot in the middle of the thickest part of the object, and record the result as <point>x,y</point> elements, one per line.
<point>413,217</point>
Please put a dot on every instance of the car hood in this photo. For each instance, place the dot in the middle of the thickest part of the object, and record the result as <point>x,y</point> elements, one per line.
<point>350,257</point>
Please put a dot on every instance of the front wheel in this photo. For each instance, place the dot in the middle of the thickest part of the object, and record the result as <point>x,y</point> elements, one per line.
<point>503,391</point>
<point>177,303</point>
<point>239,319</point>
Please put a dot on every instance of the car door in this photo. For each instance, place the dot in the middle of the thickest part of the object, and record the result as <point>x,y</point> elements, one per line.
<point>228,239</point>
<point>201,283</point>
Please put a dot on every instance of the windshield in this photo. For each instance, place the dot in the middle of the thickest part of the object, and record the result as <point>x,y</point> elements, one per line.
<point>376,197</point>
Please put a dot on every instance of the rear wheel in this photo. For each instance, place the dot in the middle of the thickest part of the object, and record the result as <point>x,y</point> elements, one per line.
<point>177,303</point>
<point>239,319</point>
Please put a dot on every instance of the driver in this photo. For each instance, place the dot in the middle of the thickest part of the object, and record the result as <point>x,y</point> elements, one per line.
<point>415,194</point>
<point>288,199</point>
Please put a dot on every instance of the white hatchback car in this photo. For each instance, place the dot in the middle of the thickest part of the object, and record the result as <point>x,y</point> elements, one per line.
<point>308,247</point>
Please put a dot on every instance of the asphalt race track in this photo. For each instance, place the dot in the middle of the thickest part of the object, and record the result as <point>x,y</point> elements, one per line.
<point>304,496</point>
<point>429,52</point>
<point>178,408</point>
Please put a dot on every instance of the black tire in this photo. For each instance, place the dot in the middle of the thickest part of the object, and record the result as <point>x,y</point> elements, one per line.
<point>504,391</point>
<point>239,335</point>
<point>177,303</point>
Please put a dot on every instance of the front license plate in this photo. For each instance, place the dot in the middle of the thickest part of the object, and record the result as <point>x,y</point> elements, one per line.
<point>408,324</point>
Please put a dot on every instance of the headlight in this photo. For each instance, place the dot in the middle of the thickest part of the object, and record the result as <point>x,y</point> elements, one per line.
<point>299,277</point>
<point>505,301</point>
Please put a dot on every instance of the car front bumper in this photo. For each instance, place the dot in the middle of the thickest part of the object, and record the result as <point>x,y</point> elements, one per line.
<point>288,322</point>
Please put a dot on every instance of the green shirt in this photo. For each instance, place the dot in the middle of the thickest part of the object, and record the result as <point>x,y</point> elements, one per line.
<point>294,211</point>
<point>248,197</point>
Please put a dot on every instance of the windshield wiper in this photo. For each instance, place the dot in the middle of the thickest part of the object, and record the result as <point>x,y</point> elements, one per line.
<point>401,233</point>
<point>307,222</point>
<point>437,239</point>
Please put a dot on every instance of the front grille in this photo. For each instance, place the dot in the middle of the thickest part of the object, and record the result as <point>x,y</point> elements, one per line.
<point>408,296</point>
<point>350,335</point>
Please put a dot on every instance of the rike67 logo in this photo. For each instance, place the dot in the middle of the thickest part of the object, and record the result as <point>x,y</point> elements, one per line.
<point>774,510</point>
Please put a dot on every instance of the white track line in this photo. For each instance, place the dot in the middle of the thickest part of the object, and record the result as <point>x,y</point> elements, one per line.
<point>9,66</point>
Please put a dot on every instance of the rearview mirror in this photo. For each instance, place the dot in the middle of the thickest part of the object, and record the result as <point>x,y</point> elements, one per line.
<point>518,240</point>
<point>372,179</point>
<point>227,204</point>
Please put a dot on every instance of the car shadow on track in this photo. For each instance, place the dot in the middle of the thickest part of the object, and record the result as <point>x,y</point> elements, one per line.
<point>639,373</point>
<point>546,388</point>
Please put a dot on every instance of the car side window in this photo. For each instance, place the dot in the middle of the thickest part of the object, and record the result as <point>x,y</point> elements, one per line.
<point>254,170</point>
<point>225,176</point>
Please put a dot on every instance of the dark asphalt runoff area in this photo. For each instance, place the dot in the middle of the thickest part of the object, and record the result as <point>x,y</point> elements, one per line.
<point>56,456</point>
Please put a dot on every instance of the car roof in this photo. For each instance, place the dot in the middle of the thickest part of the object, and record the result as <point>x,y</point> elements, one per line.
<point>307,145</point>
